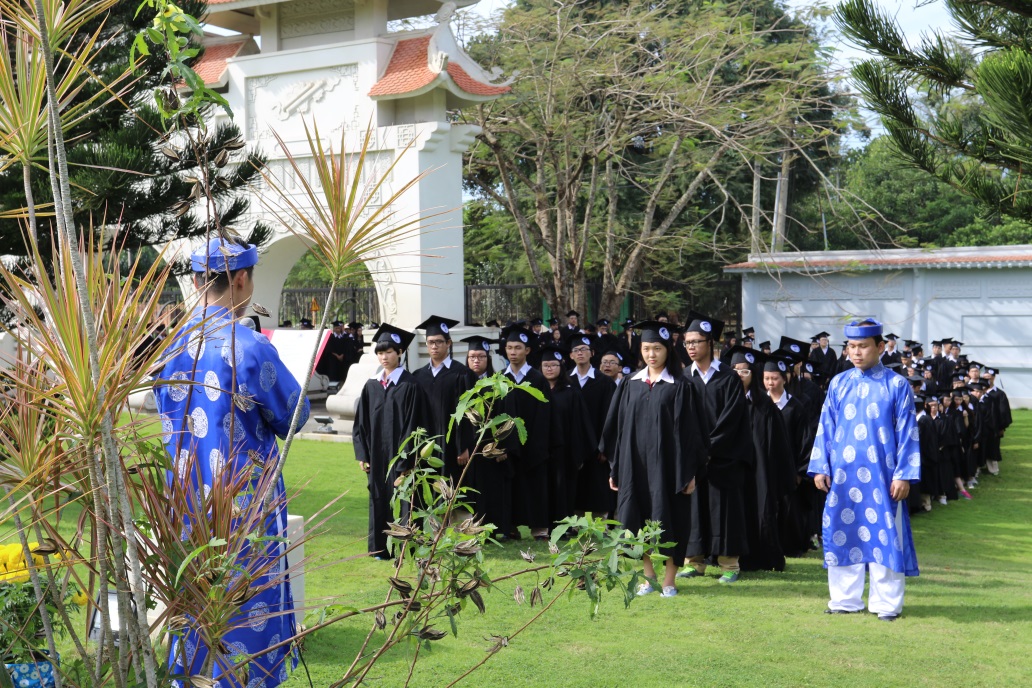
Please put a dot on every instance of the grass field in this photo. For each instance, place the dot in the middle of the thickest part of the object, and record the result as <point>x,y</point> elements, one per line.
<point>967,620</point>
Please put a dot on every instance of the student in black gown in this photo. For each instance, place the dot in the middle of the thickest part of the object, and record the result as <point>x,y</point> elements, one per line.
<point>612,366</point>
<point>1002,417</point>
<point>797,524</point>
<point>445,380</point>
<point>573,442</point>
<point>929,442</point>
<point>530,459</point>
<point>392,406</point>
<point>958,414</point>
<point>773,479</point>
<point>718,515</point>
<point>597,390</point>
<point>630,345</point>
<point>334,354</point>
<point>652,441</point>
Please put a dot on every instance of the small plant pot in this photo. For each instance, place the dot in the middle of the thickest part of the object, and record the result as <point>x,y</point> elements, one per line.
<point>32,674</point>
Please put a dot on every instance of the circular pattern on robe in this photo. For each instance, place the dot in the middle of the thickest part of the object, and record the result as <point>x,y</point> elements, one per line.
<point>889,521</point>
<point>897,543</point>
<point>166,429</point>
<point>832,500</point>
<point>879,374</point>
<point>900,424</point>
<point>877,495</point>
<point>849,454</point>
<point>232,355</point>
<point>258,617</point>
<point>878,556</point>
<point>849,412</point>
<point>847,516</point>
<point>237,651</point>
<point>259,430</point>
<point>856,555</point>
<point>873,411</point>
<point>883,435</point>
<point>883,537</point>
<point>914,459</point>
<point>196,345</point>
<point>267,415</point>
<point>267,376</point>
<point>863,474</point>
<point>856,495</point>
<point>872,454</point>
<point>871,515</point>
<point>830,559</point>
<point>863,389</point>
<point>244,398</point>
<point>183,464</point>
<point>820,430</point>
<point>178,392</point>
<point>260,338</point>
<point>283,673</point>
<point>863,533</point>
<point>212,388</point>
<point>915,434</point>
<point>238,427</point>
<point>816,454</point>
<point>860,432</point>
<point>839,538</point>
<point>840,432</point>
<point>826,520</point>
<point>200,422</point>
<point>216,462</point>
<point>190,650</point>
<point>840,476</point>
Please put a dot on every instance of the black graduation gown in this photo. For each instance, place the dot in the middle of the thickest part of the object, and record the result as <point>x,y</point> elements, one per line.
<point>718,516</point>
<point>603,344</point>
<point>894,357</point>
<point>329,365</point>
<point>443,392</point>
<point>801,517</point>
<point>825,361</point>
<point>530,460</point>
<point>928,438</point>
<point>768,487</point>
<point>1002,416</point>
<point>593,493</point>
<point>652,440</point>
<point>573,444</point>
<point>949,451</point>
<point>630,349</point>
<point>384,418</point>
<point>944,373</point>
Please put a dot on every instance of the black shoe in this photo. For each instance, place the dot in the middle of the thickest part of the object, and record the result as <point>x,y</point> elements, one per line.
<point>838,611</point>
<point>888,617</point>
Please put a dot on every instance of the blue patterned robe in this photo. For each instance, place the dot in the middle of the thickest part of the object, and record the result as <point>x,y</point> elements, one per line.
<point>207,409</point>
<point>867,438</point>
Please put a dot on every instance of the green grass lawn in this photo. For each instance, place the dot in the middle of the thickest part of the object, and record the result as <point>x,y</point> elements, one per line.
<point>967,619</point>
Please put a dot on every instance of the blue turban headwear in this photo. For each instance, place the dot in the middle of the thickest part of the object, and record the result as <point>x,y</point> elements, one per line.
<point>219,255</point>
<point>855,330</point>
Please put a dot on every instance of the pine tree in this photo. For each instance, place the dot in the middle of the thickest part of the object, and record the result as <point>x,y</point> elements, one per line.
<point>984,67</point>
<point>124,186</point>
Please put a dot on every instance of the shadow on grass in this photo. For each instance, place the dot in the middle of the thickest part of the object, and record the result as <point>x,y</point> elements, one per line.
<point>979,614</point>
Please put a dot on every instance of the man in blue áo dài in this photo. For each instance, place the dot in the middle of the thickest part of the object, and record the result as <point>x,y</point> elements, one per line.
<point>865,457</point>
<point>222,429</point>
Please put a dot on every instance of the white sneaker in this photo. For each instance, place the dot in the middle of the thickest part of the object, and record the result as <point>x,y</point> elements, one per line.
<point>942,500</point>
<point>668,591</point>
<point>645,588</point>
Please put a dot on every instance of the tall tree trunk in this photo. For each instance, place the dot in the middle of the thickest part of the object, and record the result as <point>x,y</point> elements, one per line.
<point>757,210</point>
<point>781,211</point>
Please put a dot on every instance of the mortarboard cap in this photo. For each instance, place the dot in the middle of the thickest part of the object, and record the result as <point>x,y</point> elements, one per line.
<point>654,331</point>
<point>629,322</point>
<point>287,323</point>
<point>550,352</point>
<point>436,325</point>
<point>602,323</point>
<point>614,352</point>
<point>748,332</point>
<point>516,333</point>
<point>306,322</point>
<point>337,323</point>
<point>765,345</point>
<point>992,372</point>
<point>394,337</point>
<point>704,325</point>
<point>572,312</point>
<point>492,323</point>
<point>536,321</point>
<point>820,334</point>
<point>578,339</point>
<point>797,349</point>
<point>743,354</point>
<point>957,343</point>
<point>553,321</point>
<point>478,342</point>
<point>775,366</point>
<point>354,325</point>
<point>891,336</point>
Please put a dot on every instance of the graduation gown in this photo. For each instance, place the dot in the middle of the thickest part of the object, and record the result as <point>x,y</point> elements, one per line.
<point>867,438</point>
<point>825,361</point>
<point>329,365</point>
<point>384,418</point>
<point>573,444</point>
<point>593,493</point>
<point>928,437</point>
<point>652,440</point>
<point>803,506</point>
<point>201,422</point>
<point>530,501</point>
<point>718,516</point>
<point>768,487</point>
<point>1002,417</point>
<point>949,448</point>
<point>630,349</point>
<point>443,392</point>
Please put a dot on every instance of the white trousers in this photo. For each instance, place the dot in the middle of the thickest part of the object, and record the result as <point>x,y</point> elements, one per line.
<point>846,584</point>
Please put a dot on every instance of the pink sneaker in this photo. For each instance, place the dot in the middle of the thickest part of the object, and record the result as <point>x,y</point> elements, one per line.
<point>965,494</point>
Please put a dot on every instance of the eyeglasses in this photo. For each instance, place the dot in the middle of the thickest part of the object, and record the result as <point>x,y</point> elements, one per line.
<point>477,357</point>
<point>433,343</point>
<point>580,350</point>
<point>692,343</point>
<point>744,372</point>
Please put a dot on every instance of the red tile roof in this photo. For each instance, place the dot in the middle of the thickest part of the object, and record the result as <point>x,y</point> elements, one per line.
<point>408,69</point>
<point>212,64</point>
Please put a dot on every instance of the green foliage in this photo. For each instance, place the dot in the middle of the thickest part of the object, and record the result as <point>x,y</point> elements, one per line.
<point>980,149</point>
<point>21,626</point>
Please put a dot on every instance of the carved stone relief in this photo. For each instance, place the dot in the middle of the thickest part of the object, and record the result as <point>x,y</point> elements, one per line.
<point>313,17</point>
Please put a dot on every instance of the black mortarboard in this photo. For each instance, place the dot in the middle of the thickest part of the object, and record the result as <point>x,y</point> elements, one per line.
<point>891,336</point>
<point>743,354</point>
<point>394,336</point>
<point>957,393</point>
<point>516,333</point>
<point>553,321</point>
<point>916,379</point>
<point>748,332</point>
<point>374,325</point>
<point>976,385</point>
<point>613,352</point>
<point>957,343</point>
<point>478,342</point>
<point>809,368</point>
<point>337,323</point>
<point>354,325</point>
<point>654,331</point>
<point>765,345</point>
<point>973,364</point>
<point>602,323</point>
<point>704,325</point>
<point>960,375</point>
<point>936,342</point>
<point>287,323</point>
<point>629,322</point>
<point>928,367</point>
<point>578,339</point>
<point>493,323</point>
<point>893,365</point>
<point>947,340</point>
<point>662,314</point>
<point>305,322</point>
<point>536,321</point>
<point>436,325</point>
<point>748,339</point>
<point>776,366</point>
<point>572,312</point>
<point>797,349</point>
<point>552,352</point>
<point>821,334</point>
<point>991,371</point>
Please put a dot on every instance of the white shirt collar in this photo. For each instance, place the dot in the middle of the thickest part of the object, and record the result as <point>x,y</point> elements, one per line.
<point>519,374</point>
<point>583,380</point>
<point>446,363</point>
<point>392,378</point>
<point>714,366</point>
<point>643,374</point>
<point>783,401</point>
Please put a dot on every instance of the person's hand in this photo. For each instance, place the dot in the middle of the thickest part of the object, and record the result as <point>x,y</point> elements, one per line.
<point>463,458</point>
<point>899,490</point>
<point>975,445</point>
<point>612,485</point>
<point>602,458</point>
<point>691,487</point>
<point>364,466</point>
<point>822,482</point>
